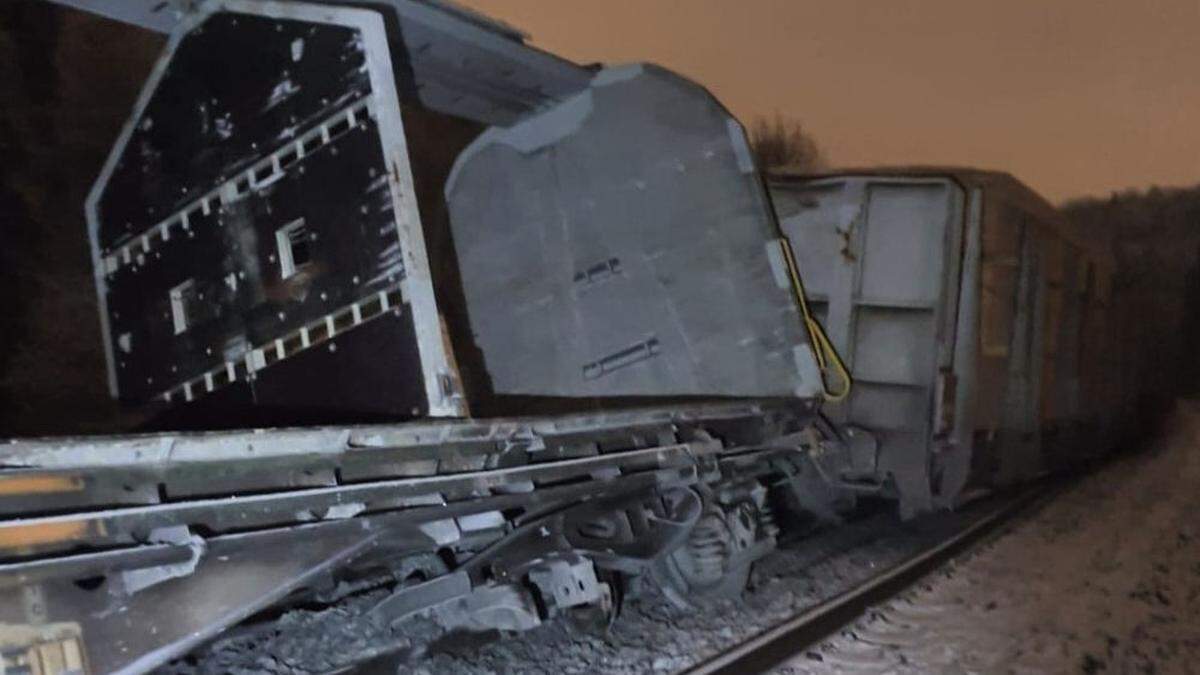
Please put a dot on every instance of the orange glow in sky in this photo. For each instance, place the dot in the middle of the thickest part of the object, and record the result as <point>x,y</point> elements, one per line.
<point>1076,97</point>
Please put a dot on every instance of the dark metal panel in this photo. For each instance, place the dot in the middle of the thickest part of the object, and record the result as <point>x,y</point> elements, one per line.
<point>236,87</point>
<point>960,449</point>
<point>362,375</point>
<point>342,195</point>
<point>150,358</point>
<point>1021,422</point>
<point>255,178</point>
<point>465,65</point>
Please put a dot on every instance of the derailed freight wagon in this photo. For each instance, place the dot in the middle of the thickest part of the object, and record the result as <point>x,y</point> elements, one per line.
<point>341,211</point>
<point>977,322</point>
<point>424,216</point>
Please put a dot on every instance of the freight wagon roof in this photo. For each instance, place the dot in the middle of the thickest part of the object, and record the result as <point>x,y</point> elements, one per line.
<point>162,16</point>
<point>461,62</point>
<point>968,177</point>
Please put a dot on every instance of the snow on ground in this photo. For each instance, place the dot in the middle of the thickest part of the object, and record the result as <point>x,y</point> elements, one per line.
<point>1106,578</point>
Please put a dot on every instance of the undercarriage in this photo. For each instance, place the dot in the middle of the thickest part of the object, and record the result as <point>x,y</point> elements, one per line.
<point>133,551</point>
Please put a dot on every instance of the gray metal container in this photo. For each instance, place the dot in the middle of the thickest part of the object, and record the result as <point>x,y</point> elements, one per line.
<point>619,244</point>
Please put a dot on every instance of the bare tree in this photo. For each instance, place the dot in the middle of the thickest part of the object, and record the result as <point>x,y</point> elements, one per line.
<point>783,143</point>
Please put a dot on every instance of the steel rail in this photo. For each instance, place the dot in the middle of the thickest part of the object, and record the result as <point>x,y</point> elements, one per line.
<point>775,646</point>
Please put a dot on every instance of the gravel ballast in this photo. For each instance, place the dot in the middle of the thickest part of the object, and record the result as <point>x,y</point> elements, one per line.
<point>1106,578</point>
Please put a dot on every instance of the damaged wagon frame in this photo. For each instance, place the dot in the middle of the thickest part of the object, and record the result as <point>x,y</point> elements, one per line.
<point>335,212</point>
<point>513,520</point>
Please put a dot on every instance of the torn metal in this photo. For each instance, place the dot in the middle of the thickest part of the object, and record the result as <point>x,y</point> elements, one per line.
<point>154,544</point>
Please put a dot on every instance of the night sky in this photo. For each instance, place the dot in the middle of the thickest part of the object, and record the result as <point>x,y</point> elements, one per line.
<point>1076,97</point>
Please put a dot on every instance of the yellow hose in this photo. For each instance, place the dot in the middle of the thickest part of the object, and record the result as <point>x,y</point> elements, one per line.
<point>822,348</point>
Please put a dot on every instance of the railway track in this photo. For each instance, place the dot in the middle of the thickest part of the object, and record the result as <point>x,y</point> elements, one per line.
<point>775,646</point>
<point>652,634</point>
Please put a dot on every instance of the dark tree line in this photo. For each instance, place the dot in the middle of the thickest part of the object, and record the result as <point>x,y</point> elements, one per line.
<point>1155,237</point>
<point>782,143</point>
<point>1155,232</point>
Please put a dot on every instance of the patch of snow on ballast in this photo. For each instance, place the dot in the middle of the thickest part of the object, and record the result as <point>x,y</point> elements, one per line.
<point>1104,579</point>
